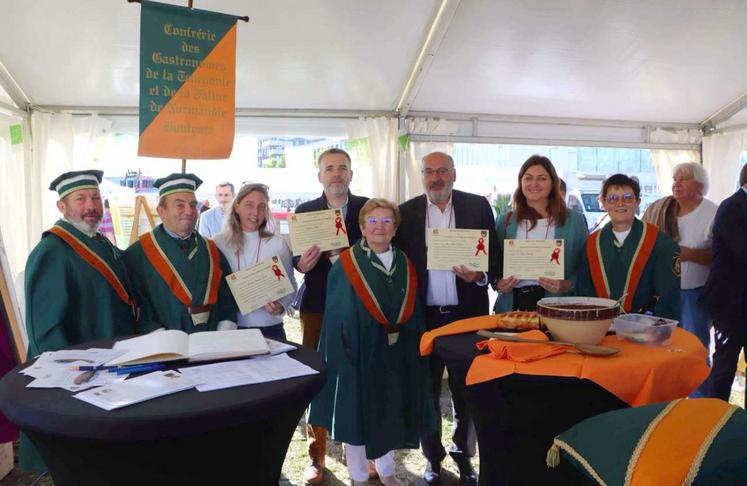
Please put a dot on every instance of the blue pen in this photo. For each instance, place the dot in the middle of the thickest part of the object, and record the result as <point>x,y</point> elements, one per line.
<point>94,368</point>
<point>140,368</point>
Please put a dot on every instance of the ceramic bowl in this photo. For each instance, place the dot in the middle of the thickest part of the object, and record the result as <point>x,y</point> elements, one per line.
<point>583,320</point>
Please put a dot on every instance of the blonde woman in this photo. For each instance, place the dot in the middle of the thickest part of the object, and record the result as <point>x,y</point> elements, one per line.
<point>245,241</point>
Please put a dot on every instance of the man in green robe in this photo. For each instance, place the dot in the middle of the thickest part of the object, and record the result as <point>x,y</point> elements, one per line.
<point>179,276</point>
<point>377,392</point>
<point>76,284</point>
<point>630,257</point>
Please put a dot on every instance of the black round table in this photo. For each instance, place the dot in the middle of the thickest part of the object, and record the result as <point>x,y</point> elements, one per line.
<point>518,416</point>
<point>238,434</point>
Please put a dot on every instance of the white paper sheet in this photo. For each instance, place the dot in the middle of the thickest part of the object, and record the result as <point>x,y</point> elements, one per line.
<point>245,372</point>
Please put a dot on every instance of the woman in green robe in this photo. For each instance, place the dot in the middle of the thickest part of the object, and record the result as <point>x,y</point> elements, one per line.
<point>377,393</point>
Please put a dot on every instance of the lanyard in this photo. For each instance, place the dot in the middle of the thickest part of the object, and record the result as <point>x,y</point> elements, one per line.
<point>427,219</point>
<point>256,260</point>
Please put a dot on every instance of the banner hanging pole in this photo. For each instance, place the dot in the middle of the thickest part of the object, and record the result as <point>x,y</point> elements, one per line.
<point>245,18</point>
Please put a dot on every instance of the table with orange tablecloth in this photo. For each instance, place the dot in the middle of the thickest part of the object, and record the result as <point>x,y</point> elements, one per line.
<point>520,406</point>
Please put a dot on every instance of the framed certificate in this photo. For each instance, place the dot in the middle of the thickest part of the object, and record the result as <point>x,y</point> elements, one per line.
<point>324,228</point>
<point>531,259</point>
<point>255,286</point>
<point>448,248</point>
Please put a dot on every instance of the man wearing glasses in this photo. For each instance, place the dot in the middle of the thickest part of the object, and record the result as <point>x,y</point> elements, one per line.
<point>630,257</point>
<point>448,295</point>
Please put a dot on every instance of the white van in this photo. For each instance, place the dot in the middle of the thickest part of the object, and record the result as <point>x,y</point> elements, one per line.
<point>586,203</point>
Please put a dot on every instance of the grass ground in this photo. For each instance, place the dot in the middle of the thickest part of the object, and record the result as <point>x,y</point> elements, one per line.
<point>410,463</point>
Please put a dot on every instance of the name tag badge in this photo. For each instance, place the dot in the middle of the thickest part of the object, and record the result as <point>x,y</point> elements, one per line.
<point>393,337</point>
<point>200,318</point>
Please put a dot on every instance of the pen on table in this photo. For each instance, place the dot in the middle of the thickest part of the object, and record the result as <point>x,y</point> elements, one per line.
<point>139,368</point>
<point>84,377</point>
<point>93,368</point>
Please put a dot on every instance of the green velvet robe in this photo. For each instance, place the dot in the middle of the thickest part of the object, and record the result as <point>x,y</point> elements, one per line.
<point>376,394</point>
<point>69,302</point>
<point>658,290</point>
<point>159,307</point>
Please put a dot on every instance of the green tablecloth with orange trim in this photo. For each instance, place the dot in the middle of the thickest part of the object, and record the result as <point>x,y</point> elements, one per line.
<point>638,374</point>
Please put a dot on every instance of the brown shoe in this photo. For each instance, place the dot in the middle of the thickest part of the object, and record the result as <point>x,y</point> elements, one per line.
<point>313,475</point>
<point>372,473</point>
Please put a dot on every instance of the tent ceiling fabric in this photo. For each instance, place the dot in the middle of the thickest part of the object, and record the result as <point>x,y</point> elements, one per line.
<point>310,55</point>
<point>675,61</point>
<point>666,60</point>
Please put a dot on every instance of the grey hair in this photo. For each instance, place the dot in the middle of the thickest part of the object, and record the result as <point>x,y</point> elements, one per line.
<point>697,171</point>
<point>232,225</point>
<point>444,154</point>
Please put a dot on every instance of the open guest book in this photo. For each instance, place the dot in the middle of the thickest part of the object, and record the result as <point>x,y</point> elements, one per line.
<point>201,346</point>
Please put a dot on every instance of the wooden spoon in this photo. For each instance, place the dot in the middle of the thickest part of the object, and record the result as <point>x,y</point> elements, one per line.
<point>591,349</point>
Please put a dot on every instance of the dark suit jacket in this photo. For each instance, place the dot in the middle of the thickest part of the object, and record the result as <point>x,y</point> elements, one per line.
<point>726,288</point>
<point>315,281</point>
<point>470,212</point>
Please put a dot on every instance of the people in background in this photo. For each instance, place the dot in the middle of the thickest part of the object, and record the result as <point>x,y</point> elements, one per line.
<point>335,175</point>
<point>377,394</point>
<point>449,295</point>
<point>539,213</point>
<point>687,217</point>
<point>245,241</point>
<point>76,284</point>
<point>211,221</point>
<point>563,193</point>
<point>177,274</point>
<point>631,258</point>
<point>726,288</point>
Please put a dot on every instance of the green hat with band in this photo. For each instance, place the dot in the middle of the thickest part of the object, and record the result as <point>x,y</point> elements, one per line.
<point>177,183</point>
<point>76,180</point>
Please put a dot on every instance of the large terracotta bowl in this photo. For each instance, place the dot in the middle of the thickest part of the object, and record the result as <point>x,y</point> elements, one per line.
<point>583,320</point>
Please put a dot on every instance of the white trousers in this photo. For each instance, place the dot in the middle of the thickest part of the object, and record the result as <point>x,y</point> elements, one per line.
<point>355,456</point>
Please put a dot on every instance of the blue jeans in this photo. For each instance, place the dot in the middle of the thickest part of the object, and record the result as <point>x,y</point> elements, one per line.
<point>695,318</point>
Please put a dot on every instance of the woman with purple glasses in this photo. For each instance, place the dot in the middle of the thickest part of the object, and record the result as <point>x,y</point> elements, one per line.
<point>377,396</point>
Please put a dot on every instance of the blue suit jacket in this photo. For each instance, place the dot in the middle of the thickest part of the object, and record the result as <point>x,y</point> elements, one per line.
<point>726,288</point>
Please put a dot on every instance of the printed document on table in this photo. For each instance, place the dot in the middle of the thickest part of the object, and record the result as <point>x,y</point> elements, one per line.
<point>255,286</point>
<point>325,228</point>
<point>66,358</point>
<point>531,259</point>
<point>245,372</point>
<point>449,248</point>
<point>63,376</point>
<point>136,390</point>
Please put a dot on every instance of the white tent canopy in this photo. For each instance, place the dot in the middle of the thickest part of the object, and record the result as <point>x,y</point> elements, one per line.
<point>606,63</point>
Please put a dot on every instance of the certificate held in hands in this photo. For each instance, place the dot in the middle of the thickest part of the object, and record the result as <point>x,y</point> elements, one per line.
<point>259,284</point>
<point>448,248</point>
<point>325,228</point>
<point>531,259</point>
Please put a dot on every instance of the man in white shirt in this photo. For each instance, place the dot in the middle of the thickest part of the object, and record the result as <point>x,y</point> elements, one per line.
<point>211,221</point>
<point>448,295</point>
<point>687,217</point>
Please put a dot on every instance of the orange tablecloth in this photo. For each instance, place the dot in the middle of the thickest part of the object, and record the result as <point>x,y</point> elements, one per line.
<point>638,374</point>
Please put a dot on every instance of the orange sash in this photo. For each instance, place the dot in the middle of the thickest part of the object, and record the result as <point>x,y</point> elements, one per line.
<point>640,257</point>
<point>98,263</point>
<point>166,270</point>
<point>354,274</point>
<point>682,433</point>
